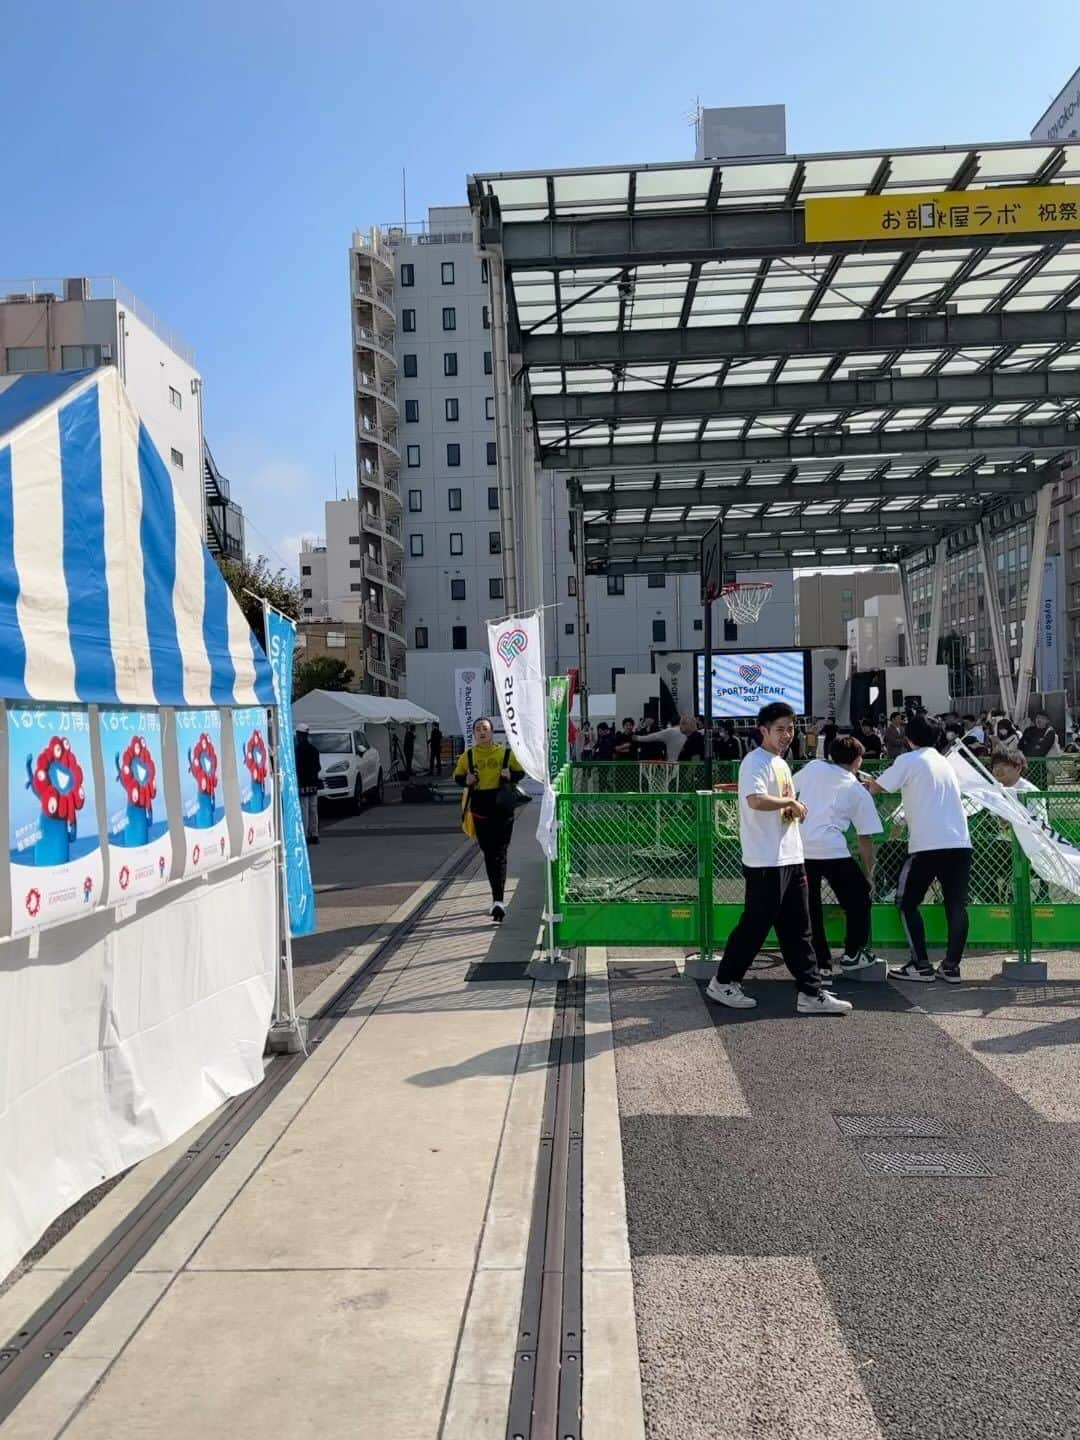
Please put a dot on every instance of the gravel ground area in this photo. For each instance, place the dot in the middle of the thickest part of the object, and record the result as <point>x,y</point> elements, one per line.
<point>781,1288</point>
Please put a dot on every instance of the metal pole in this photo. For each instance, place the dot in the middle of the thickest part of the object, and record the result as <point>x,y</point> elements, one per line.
<point>707,707</point>
<point>937,598</point>
<point>582,618</point>
<point>1036,565</point>
<point>911,656</point>
<point>504,441</point>
<point>997,625</point>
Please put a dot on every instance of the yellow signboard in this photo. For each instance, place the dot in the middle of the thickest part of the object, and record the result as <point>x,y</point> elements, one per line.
<point>1017,210</point>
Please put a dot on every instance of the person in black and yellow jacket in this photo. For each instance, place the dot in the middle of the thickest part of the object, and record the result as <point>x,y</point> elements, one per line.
<point>480,771</point>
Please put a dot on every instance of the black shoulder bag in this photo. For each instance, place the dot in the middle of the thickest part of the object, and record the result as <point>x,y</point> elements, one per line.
<point>509,796</point>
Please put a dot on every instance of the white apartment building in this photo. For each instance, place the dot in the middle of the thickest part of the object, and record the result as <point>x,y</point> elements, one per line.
<point>416,555</point>
<point>78,323</point>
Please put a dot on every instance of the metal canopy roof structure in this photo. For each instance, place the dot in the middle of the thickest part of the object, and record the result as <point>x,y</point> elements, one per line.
<point>686,351</point>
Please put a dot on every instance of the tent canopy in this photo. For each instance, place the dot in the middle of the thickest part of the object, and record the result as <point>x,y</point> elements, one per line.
<point>108,594</point>
<point>330,708</point>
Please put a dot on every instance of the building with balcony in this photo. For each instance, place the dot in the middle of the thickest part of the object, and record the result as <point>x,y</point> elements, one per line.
<point>224,517</point>
<point>375,595</point>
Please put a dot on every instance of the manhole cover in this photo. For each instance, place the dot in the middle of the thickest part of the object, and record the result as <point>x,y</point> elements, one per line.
<point>909,1164</point>
<point>892,1127</point>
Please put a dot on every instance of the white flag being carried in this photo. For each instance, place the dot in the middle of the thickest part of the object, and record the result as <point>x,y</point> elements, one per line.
<point>1052,857</point>
<point>517,659</point>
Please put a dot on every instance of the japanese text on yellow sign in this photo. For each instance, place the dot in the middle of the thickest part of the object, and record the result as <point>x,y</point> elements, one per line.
<point>1017,210</point>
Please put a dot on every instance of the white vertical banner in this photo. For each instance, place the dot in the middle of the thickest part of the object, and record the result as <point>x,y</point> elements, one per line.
<point>468,697</point>
<point>517,658</point>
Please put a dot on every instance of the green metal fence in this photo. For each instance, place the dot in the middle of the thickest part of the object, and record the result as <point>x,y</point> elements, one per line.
<point>653,861</point>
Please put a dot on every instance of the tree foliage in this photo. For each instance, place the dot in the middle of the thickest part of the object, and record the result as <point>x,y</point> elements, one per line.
<point>320,672</point>
<point>254,575</point>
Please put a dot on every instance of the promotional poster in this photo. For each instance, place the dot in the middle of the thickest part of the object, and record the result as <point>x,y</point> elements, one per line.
<point>255,778</point>
<point>136,820</point>
<point>202,793</point>
<point>517,657</point>
<point>56,861</point>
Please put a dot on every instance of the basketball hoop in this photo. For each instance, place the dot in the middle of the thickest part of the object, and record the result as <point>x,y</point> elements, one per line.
<point>745,599</point>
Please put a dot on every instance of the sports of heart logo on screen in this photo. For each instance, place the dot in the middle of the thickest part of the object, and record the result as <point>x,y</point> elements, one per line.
<point>750,673</point>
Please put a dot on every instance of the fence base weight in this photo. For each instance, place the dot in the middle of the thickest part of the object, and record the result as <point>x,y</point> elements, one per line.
<point>555,966</point>
<point>1028,971</point>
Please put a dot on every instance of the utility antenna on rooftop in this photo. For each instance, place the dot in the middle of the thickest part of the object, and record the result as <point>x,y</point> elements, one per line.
<point>693,117</point>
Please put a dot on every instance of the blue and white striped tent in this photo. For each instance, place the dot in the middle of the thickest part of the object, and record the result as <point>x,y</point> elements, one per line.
<point>108,594</point>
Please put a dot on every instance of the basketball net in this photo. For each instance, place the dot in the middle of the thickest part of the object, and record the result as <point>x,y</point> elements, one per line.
<point>745,600</point>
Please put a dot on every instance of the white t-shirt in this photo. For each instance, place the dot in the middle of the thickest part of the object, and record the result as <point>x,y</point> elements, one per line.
<point>834,799</point>
<point>931,798</point>
<point>672,737</point>
<point>768,840</point>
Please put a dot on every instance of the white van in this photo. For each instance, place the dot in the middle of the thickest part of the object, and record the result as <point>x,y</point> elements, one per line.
<point>351,767</point>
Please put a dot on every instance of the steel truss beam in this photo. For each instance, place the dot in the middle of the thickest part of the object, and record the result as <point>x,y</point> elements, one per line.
<point>982,438</point>
<point>678,236</point>
<point>689,564</point>
<point>797,525</point>
<point>879,333</point>
<point>987,388</point>
<point>776,543</point>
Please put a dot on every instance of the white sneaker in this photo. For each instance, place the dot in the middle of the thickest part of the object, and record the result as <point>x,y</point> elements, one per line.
<point>823,1004</point>
<point>497,912</point>
<point>733,996</point>
<point>852,964</point>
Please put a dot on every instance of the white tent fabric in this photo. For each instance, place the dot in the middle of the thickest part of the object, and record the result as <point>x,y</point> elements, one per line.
<point>117,1031</point>
<point>326,709</point>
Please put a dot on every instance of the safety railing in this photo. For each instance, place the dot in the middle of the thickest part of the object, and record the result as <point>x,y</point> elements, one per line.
<point>655,861</point>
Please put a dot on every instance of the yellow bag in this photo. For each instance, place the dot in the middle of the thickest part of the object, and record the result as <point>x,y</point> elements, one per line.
<point>468,824</point>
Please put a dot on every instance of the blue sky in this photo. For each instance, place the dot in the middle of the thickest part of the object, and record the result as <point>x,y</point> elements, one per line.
<point>216,157</point>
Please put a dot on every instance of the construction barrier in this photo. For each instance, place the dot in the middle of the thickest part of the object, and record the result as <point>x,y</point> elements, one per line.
<point>646,858</point>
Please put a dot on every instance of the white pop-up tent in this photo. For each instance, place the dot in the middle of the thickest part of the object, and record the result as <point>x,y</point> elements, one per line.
<point>377,715</point>
<point>125,1024</point>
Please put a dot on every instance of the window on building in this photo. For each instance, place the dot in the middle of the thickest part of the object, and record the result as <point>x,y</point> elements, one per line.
<point>731,630</point>
<point>494,542</point>
<point>412,412</point>
<point>355,588</point>
<point>493,497</point>
<point>571,585</point>
<point>306,594</point>
<point>447,272</point>
<point>408,367</point>
<point>453,409</point>
<point>488,368</point>
<point>22,358</point>
<point>420,637</point>
<point>486,316</point>
<point>659,631</point>
<point>453,454</point>
<point>616,584</point>
<point>697,624</point>
<point>412,456</point>
<point>408,321</point>
<point>657,582</point>
<point>495,587</point>
<point>484,271</point>
<point>457,542</point>
<point>354,539</point>
<point>416,501</point>
<point>449,362</point>
<point>489,407</point>
<point>305,569</point>
<point>176,400</point>
<point>408,276</point>
<point>453,498</point>
<point>177,458</point>
<point>416,545</point>
<point>356,564</point>
<point>1074,523</point>
<point>449,318</point>
<point>568,628</point>
<point>457,589</point>
<point>459,637</point>
<point>492,453</point>
<point>88,357</point>
<point>1075,593</point>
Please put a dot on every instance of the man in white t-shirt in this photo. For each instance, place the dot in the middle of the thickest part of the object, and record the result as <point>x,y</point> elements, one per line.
<point>939,848</point>
<point>772,862</point>
<point>834,802</point>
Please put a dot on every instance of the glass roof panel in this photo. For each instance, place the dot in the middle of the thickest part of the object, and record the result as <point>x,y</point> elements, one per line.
<point>664,184</point>
<point>592,188</point>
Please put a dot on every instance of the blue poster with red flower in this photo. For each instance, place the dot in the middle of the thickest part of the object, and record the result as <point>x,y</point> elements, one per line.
<point>136,820</point>
<point>57,868</point>
<point>250,729</point>
<point>202,789</point>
